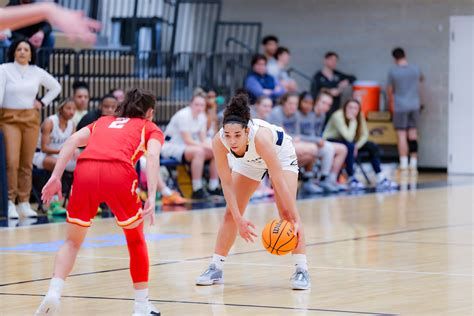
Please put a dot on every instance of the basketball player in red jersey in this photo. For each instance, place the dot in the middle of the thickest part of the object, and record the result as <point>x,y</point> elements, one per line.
<point>105,173</point>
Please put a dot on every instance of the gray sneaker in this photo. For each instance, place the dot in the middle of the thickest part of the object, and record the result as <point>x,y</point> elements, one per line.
<point>300,280</point>
<point>211,276</point>
<point>311,188</point>
<point>328,186</point>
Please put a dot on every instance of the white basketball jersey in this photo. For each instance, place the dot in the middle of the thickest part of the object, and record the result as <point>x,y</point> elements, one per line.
<point>58,137</point>
<point>251,157</point>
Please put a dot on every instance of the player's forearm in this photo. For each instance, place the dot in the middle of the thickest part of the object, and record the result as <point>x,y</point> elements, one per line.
<point>19,16</point>
<point>231,201</point>
<point>152,173</point>
<point>66,154</point>
<point>289,206</point>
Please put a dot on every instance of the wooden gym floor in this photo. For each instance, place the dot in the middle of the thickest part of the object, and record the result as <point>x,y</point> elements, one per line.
<point>407,253</point>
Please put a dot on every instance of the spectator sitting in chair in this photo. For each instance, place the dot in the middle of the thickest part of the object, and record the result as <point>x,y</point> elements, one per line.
<point>258,83</point>
<point>108,105</point>
<point>186,141</point>
<point>118,93</point>
<point>262,108</point>
<point>331,155</point>
<point>348,126</point>
<point>287,116</point>
<point>80,92</point>
<point>278,69</point>
<point>331,79</point>
<point>270,46</point>
<point>55,130</point>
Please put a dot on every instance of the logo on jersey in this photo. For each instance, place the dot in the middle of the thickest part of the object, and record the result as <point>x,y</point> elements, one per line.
<point>294,162</point>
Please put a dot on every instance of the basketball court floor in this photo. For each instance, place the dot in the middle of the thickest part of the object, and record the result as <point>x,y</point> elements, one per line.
<point>408,252</point>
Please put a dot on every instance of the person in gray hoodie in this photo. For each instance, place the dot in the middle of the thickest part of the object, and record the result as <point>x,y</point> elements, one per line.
<point>288,117</point>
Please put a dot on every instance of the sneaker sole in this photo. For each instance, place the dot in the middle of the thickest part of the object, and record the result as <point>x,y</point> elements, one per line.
<point>301,288</point>
<point>211,282</point>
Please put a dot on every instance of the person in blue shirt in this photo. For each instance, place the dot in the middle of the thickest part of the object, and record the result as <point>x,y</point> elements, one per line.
<point>258,83</point>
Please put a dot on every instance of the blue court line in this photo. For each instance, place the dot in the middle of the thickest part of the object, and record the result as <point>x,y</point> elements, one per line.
<point>102,241</point>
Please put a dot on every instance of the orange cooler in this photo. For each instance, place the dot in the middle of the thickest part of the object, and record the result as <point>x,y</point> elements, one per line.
<point>368,94</point>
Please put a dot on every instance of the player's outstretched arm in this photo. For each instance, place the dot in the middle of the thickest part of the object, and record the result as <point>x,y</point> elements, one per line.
<point>73,23</point>
<point>152,175</point>
<point>220,155</point>
<point>53,186</point>
<point>265,148</point>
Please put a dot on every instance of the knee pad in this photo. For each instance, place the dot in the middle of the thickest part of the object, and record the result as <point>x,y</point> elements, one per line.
<point>413,146</point>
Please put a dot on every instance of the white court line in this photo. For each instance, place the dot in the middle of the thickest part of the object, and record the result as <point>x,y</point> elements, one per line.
<point>259,264</point>
<point>334,268</point>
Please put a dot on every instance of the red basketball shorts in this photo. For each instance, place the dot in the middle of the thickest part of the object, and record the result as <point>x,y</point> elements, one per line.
<point>112,182</point>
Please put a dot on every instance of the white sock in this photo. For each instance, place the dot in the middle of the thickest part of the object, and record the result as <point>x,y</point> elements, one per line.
<point>141,295</point>
<point>213,184</point>
<point>218,260</point>
<point>333,177</point>
<point>197,184</point>
<point>166,191</point>
<point>403,162</point>
<point>300,261</point>
<point>380,177</point>
<point>413,162</point>
<point>56,287</point>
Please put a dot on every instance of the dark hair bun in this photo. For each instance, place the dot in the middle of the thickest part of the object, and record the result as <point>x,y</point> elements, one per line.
<point>238,109</point>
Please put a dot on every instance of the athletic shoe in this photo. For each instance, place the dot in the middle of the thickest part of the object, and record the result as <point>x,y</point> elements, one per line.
<point>174,199</point>
<point>311,188</point>
<point>24,210</point>
<point>354,184</point>
<point>387,184</point>
<point>12,213</point>
<point>55,209</point>
<point>145,309</point>
<point>300,280</point>
<point>49,306</point>
<point>413,169</point>
<point>211,276</point>
<point>199,194</point>
<point>216,192</point>
<point>328,186</point>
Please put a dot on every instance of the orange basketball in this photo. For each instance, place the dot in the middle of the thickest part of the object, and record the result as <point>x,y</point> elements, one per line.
<point>278,237</point>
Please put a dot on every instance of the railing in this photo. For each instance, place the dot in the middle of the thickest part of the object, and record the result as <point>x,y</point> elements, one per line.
<point>244,35</point>
<point>172,77</point>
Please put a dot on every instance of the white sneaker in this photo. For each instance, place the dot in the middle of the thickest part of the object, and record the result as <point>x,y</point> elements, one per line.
<point>300,280</point>
<point>24,210</point>
<point>49,306</point>
<point>145,309</point>
<point>211,276</point>
<point>12,213</point>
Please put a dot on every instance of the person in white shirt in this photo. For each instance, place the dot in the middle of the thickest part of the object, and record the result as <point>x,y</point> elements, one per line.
<point>186,141</point>
<point>20,80</point>
<point>80,94</point>
<point>55,130</point>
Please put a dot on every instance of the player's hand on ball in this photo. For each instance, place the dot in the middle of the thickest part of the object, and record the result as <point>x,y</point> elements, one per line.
<point>149,209</point>
<point>52,187</point>
<point>245,231</point>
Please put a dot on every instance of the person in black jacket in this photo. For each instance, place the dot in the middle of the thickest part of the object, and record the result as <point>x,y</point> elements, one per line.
<point>332,80</point>
<point>108,105</point>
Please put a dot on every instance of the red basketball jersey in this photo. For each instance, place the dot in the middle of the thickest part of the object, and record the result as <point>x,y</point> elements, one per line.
<point>120,139</point>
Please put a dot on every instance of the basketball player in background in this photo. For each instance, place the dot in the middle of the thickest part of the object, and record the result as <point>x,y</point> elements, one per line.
<point>256,147</point>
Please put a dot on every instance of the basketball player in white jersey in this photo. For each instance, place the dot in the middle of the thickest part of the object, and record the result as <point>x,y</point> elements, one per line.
<point>257,147</point>
<point>55,130</point>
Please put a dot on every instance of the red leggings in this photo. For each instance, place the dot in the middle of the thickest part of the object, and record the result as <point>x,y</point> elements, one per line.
<point>138,251</point>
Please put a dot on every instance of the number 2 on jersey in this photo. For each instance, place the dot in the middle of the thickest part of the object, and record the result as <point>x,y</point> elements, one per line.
<point>119,122</point>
